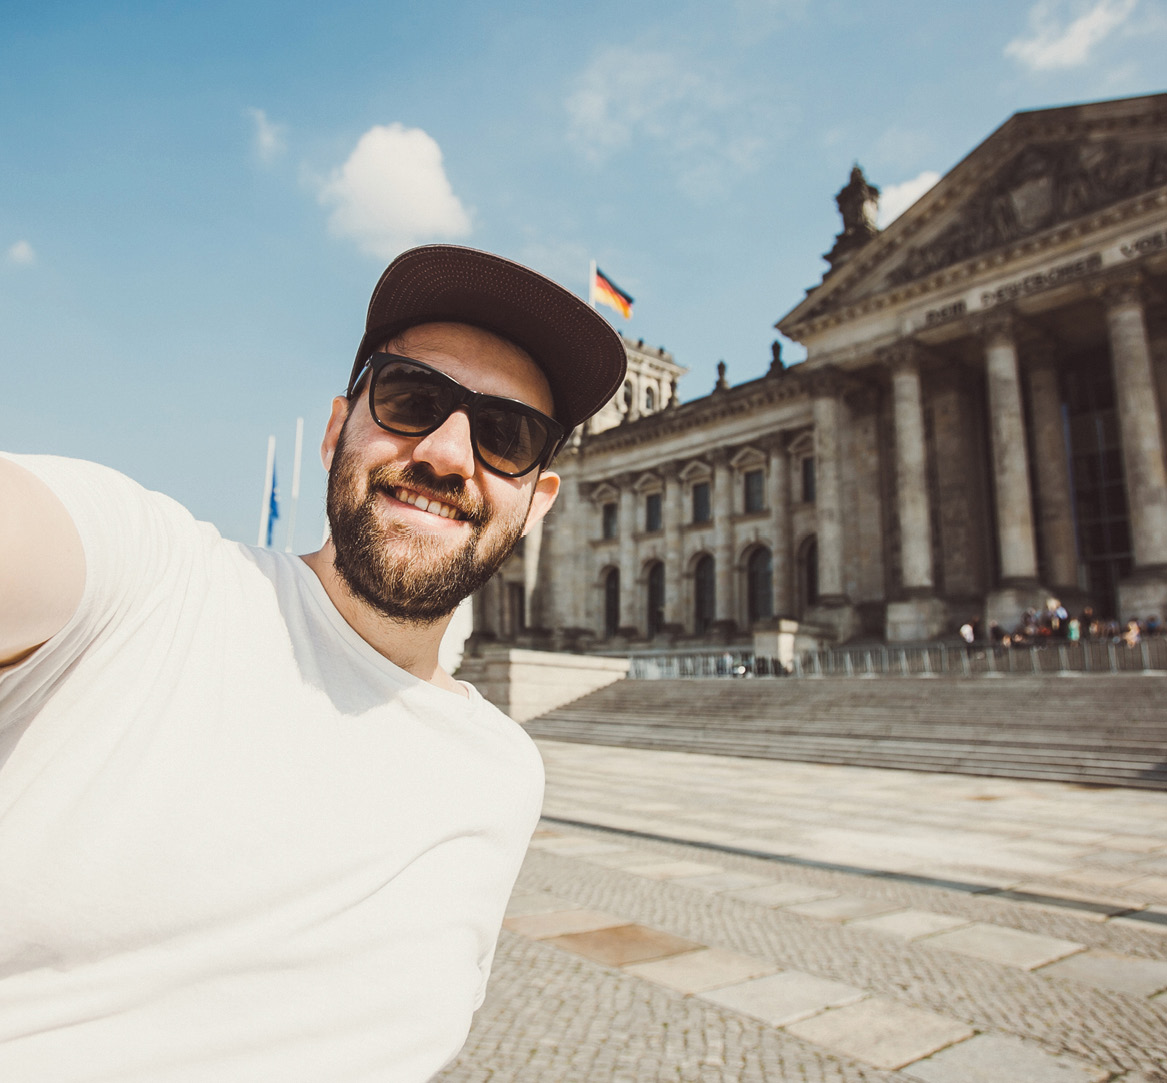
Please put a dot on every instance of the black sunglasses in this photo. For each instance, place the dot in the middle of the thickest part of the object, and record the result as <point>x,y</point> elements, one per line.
<point>408,398</point>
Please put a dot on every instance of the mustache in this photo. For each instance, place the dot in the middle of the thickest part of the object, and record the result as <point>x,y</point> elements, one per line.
<point>450,489</point>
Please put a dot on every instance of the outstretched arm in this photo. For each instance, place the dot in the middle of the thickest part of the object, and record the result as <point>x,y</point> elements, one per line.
<point>42,564</point>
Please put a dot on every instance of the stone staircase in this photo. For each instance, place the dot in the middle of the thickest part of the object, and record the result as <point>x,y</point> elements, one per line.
<point>1103,730</point>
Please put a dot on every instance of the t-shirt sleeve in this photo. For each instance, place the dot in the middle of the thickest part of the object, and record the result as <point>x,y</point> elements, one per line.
<point>130,538</point>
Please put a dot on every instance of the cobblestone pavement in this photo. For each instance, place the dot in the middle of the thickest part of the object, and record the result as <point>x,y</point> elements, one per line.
<point>687,917</point>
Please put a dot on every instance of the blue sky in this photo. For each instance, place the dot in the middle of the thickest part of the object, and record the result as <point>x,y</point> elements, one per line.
<point>197,199</point>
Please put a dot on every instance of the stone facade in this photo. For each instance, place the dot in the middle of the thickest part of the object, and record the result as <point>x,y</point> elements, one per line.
<point>978,425</point>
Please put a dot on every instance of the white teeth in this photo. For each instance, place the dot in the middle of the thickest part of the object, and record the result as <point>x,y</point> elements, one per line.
<point>422,503</point>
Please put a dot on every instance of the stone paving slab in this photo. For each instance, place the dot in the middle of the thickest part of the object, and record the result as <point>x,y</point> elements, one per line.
<point>1109,970</point>
<point>615,859</point>
<point>620,945</point>
<point>996,1058</point>
<point>1009,947</point>
<point>781,894</point>
<point>522,903</point>
<point>558,844</point>
<point>785,998</point>
<point>842,908</point>
<point>700,971</point>
<point>882,1032</point>
<point>1153,886</point>
<point>911,924</point>
<point>673,870</point>
<point>542,926</point>
<point>724,881</point>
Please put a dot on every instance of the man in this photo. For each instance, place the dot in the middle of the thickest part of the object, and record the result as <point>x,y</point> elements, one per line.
<point>249,829</point>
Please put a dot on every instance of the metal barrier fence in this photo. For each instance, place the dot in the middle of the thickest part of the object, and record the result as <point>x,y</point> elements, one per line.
<point>930,660</point>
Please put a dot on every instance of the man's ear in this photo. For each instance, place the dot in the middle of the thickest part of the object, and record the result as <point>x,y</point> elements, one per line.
<point>332,431</point>
<point>546,490</point>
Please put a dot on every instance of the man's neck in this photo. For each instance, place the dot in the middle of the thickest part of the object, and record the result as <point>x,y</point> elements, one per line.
<point>411,645</point>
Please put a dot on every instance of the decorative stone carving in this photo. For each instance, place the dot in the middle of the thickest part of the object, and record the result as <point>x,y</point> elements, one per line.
<point>1041,186</point>
<point>858,203</point>
<point>722,380</point>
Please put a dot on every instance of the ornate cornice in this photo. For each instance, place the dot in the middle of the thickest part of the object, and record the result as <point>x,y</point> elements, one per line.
<point>746,398</point>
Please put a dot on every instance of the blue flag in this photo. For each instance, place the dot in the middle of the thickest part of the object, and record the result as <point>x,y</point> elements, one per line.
<point>274,504</point>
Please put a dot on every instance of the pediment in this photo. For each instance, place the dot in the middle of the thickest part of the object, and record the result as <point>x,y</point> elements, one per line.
<point>1039,172</point>
<point>1040,186</point>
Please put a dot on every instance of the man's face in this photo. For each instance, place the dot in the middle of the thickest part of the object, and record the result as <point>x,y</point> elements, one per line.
<point>418,523</point>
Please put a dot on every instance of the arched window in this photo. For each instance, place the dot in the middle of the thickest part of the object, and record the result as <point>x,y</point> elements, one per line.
<point>649,400</point>
<point>808,571</point>
<point>703,594</point>
<point>611,602</point>
<point>656,598</point>
<point>759,585</point>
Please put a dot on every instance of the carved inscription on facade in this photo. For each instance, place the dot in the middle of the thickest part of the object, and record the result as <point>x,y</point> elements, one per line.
<point>1152,242</point>
<point>1043,280</point>
<point>945,313</point>
<point>1040,187</point>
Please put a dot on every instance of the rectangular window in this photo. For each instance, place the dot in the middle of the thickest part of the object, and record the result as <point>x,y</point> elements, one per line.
<point>702,508</point>
<point>609,520</point>
<point>808,479</point>
<point>755,491</point>
<point>652,512</point>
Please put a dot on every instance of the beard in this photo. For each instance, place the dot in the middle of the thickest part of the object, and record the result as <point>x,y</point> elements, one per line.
<point>403,573</point>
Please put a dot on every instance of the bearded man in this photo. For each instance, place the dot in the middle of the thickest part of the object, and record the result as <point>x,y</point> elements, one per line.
<point>249,829</point>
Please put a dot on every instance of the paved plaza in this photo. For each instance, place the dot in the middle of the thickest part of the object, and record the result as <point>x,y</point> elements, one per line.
<point>689,917</point>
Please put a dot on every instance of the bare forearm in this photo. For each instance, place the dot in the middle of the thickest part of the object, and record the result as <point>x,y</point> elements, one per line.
<point>42,565</point>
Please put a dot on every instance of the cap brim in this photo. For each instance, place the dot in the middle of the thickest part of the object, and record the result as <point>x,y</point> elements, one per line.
<point>577,349</point>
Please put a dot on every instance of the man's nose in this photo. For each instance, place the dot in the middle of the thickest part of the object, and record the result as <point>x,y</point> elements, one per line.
<point>448,449</point>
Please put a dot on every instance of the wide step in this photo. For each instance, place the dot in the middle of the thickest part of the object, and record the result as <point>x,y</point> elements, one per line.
<point>1100,730</point>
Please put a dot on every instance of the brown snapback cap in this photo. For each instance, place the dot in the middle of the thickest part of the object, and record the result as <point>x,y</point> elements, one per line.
<point>577,349</point>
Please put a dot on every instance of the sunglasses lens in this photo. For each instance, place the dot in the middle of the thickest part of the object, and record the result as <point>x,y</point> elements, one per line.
<point>410,400</point>
<point>510,441</point>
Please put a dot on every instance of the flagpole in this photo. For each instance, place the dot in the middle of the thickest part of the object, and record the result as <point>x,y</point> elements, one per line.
<point>295,483</point>
<point>592,284</point>
<point>269,477</point>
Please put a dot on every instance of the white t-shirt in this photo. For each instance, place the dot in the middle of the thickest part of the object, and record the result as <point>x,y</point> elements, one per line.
<point>236,843</point>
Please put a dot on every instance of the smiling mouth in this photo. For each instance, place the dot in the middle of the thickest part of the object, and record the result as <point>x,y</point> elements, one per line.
<point>426,503</point>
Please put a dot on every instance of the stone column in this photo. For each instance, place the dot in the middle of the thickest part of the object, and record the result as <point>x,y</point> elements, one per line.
<point>723,540</point>
<point>628,569</point>
<point>920,615</point>
<point>782,559</point>
<point>1142,448</point>
<point>1139,422</point>
<point>912,497</point>
<point>1054,499</point>
<point>1010,454</point>
<point>1019,589</point>
<point>674,514</point>
<point>828,495</point>
<point>834,608</point>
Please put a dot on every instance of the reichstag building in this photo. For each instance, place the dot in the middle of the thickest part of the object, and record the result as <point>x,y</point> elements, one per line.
<point>978,426</point>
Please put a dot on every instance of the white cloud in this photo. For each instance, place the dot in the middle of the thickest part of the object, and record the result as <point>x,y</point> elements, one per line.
<point>1056,41</point>
<point>708,122</point>
<point>270,138</point>
<point>393,192</point>
<point>21,253</point>
<point>897,198</point>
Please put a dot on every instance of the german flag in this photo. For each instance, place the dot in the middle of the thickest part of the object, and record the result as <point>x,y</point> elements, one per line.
<point>605,291</point>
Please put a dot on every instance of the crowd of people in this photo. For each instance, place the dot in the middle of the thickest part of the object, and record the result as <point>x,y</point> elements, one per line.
<point>1054,622</point>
